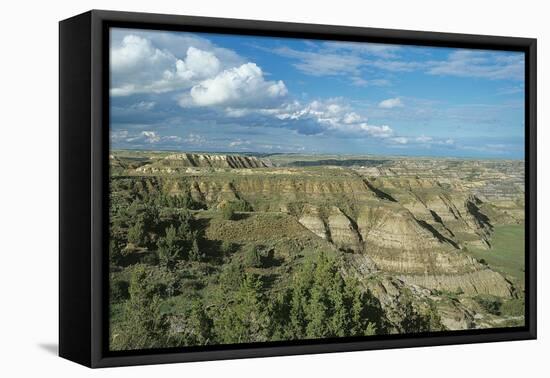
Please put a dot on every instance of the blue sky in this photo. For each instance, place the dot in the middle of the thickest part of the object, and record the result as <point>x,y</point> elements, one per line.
<point>209,92</point>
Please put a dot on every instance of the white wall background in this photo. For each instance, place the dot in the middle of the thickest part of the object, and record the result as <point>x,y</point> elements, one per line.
<point>29,186</point>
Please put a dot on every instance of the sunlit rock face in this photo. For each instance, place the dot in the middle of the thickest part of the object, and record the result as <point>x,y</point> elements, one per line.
<point>484,281</point>
<point>343,233</point>
<point>178,162</point>
<point>311,220</point>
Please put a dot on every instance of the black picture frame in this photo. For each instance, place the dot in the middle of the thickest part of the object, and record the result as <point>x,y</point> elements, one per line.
<point>83,182</point>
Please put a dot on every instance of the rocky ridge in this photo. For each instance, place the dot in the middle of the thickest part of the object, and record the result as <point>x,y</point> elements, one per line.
<point>180,162</point>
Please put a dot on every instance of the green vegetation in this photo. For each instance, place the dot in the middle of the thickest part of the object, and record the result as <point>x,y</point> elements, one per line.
<point>321,303</point>
<point>228,213</point>
<point>507,254</point>
<point>231,208</point>
<point>169,248</point>
<point>490,303</point>
<point>513,307</point>
<point>143,325</point>
<point>253,257</point>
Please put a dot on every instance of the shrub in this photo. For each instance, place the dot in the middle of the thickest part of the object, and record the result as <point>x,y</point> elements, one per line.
<point>513,307</point>
<point>490,303</point>
<point>185,227</point>
<point>253,256</point>
<point>136,233</point>
<point>151,259</point>
<point>228,213</point>
<point>143,324</point>
<point>195,253</point>
<point>119,290</point>
<point>168,248</point>
<point>230,209</point>
<point>115,251</point>
<point>240,205</point>
<point>199,326</point>
<point>227,248</point>
<point>231,276</point>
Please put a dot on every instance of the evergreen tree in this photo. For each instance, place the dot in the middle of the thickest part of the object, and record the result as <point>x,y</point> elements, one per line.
<point>136,233</point>
<point>413,321</point>
<point>227,248</point>
<point>199,326</point>
<point>143,325</point>
<point>151,217</point>
<point>253,257</point>
<point>185,227</point>
<point>324,304</point>
<point>231,277</point>
<point>340,322</point>
<point>245,319</point>
<point>318,314</point>
<point>195,252</point>
<point>365,314</point>
<point>320,307</point>
<point>168,248</point>
<point>299,304</point>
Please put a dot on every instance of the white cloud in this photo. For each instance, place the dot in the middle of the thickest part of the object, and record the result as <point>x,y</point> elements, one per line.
<point>400,140</point>
<point>237,86</point>
<point>328,113</point>
<point>343,58</point>
<point>195,139</point>
<point>237,112</point>
<point>397,65</point>
<point>139,67</point>
<point>119,135</point>
<point>322,63</point>
<point>136,52</point>
<point>423,139</point>
<point>360,82</point>
<point>494,148</point>
<point>351,117</point>
<point>143,105</point>
<point>239,142</point>
<point>150,136</point>
<point>197,64</point>
<point>480,64</point>
<point>330,116</point>
<point>158,63</point>
<point>377,131</point>
<point>350,58</point>
<point>172,138</point>
<point>390,103</point>
<point>375,49</point>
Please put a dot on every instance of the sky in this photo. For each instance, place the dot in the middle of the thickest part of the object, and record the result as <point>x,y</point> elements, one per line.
<point>228,93</point>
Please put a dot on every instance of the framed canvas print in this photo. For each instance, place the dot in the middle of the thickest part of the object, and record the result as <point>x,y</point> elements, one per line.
<point>234,188</point>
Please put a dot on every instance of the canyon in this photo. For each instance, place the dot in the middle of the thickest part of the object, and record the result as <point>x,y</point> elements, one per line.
<point>402,226</point>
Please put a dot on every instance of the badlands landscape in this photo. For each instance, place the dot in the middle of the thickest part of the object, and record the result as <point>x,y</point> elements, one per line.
<point>224,248</point>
